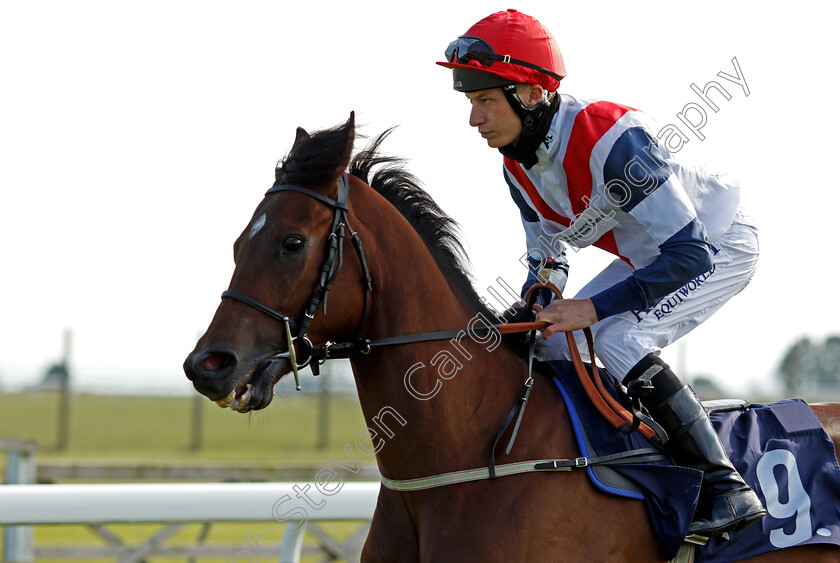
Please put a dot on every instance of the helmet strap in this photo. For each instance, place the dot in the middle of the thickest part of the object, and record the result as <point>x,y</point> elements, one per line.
<point>528,115</point>
<point>536,121</point>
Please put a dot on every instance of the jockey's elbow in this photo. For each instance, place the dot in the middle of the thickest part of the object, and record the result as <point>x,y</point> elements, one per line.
<point>705,260</point>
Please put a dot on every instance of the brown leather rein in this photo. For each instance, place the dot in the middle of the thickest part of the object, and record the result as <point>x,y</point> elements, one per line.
<point>311,355</point>
<point>606,404</point>
<point>615,413</point>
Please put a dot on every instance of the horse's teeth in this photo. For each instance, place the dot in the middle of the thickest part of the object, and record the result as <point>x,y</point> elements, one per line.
<point>234,403</point>
<point>242,401</point>
<point>225,403</point>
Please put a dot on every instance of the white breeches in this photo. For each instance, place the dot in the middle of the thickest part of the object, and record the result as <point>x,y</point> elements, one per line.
<point>624,339</point>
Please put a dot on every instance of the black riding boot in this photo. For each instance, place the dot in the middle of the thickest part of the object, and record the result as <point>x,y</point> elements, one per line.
<point>726,501</point>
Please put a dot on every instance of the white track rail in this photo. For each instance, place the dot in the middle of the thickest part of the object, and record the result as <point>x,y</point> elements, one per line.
<point>27,505</point>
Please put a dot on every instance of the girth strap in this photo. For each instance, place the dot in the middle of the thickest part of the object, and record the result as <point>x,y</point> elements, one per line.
<point>642,455</point>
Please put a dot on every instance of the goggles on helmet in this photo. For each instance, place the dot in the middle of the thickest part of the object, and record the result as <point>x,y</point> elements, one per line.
<point>468,48</point>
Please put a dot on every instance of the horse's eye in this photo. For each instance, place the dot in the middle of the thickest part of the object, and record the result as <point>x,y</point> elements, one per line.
<point>293,243</point>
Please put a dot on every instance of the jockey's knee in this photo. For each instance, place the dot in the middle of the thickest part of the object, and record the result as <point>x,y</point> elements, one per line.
<point>612,349</point>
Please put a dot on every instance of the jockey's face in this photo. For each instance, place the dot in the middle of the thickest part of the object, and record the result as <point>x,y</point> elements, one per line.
<point>495,120</point>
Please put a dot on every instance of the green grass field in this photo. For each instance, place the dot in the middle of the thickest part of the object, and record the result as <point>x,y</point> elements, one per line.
<point>159,430</point>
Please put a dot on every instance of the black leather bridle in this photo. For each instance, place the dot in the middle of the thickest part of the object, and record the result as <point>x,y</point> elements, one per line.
<point>311,355</point>
<point>329,271</point>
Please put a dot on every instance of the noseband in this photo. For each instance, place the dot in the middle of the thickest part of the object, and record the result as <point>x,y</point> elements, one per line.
<point>329,271</point>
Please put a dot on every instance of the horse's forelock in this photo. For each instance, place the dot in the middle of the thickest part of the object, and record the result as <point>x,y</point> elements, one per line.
<point>318,158</point>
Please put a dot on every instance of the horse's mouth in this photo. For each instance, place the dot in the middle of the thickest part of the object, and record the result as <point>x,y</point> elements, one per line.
<point>256,389</point>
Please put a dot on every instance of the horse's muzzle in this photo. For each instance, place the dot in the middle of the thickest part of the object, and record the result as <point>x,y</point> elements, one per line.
<point>212,372</point>
<point>241,385</point>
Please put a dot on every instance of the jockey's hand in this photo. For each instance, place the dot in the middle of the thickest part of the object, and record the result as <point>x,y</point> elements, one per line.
<point>566,315</point>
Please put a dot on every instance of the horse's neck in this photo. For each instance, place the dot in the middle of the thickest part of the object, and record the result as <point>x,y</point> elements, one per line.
<point>431,407</point>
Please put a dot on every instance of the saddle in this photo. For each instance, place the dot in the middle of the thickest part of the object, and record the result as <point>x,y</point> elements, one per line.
<point>780,449</point>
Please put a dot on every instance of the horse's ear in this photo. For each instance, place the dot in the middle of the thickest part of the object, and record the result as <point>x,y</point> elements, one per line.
<point>300,135</point>
<point>350,131</point>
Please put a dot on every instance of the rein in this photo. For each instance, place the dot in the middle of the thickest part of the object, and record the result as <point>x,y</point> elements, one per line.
<point>611,409</point>
<point>296,331</point>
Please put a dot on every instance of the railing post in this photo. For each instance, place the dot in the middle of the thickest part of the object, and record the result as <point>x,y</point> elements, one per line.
<point>63,430</point>
<point>324,408</point>
<point>21,469</point>
<point>197,423</point>
<point>292,543</point>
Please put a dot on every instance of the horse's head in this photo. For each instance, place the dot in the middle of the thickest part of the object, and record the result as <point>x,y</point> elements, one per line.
<point>287,263</point>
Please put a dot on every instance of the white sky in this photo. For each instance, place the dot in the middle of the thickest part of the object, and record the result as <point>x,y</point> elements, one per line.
<point>136,138</point>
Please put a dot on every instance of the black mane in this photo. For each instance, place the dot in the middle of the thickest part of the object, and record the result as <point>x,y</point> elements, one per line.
<point>437,229</point>
<point>313,160</point>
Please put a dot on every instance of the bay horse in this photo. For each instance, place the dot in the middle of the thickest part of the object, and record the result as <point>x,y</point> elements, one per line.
<point>296,286</point>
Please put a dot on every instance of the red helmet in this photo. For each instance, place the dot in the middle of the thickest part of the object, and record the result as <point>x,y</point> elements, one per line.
<point>511,45</point>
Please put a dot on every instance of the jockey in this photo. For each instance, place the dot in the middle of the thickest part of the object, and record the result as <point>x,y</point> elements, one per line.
<point>589,172</point>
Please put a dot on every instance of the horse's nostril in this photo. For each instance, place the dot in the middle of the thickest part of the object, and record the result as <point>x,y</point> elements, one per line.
<point>212,363</point>
<point>215,362</point>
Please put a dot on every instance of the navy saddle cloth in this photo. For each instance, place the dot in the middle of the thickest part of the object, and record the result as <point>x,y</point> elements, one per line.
<point>780,449</point>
